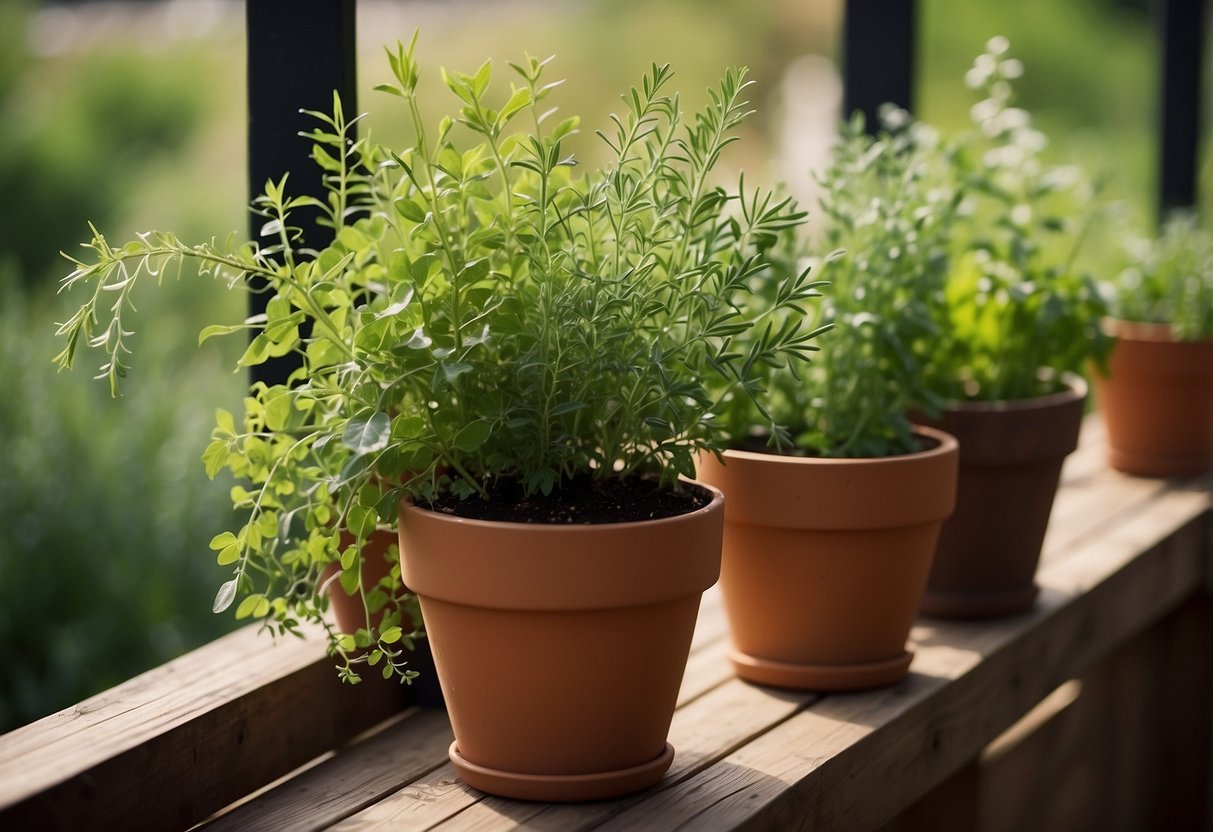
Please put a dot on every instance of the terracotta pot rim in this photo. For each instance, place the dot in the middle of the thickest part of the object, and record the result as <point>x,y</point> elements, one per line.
<point>408,507</point>
<point>1152,331</point>
<point>946,443</point>
<point>1076,390</point>
<point>477,563</point>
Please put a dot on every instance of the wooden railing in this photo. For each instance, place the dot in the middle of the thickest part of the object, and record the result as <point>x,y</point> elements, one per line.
<point>1111,669</point>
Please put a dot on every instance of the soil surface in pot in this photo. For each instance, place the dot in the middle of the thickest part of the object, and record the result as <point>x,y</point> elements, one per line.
<point>583,500</point>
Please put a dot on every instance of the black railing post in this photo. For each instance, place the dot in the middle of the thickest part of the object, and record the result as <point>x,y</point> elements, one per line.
<point>1181,26</point>
<point>878,40</point>
<point>299,52</point>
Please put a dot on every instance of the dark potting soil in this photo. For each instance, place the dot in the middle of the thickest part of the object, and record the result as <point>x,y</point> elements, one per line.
<point>580,501</point>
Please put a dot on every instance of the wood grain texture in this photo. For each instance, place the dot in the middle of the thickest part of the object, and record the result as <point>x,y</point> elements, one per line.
<point>172,747</point>
<point>720,721</point>
<point>168,748</point>
<point>356,777</point>
<point>852,762</point>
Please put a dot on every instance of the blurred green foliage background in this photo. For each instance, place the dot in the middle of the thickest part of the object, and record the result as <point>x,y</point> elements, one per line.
<point>132,115</point>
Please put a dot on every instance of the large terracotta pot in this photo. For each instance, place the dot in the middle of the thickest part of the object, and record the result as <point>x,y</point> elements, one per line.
<point>560,648</point>
<point>1157,401</point>
<point>825,561</point>
<point>1011,453</point>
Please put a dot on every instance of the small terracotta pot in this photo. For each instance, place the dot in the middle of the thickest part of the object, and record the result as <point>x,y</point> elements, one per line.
<point>825,561</point>
<point>1011,453</point>
<point>560,648</point>
<point>347,609</point>
<point>1157,401</point>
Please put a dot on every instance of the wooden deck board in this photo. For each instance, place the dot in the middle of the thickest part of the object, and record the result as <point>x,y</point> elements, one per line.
<point>348,781</point>
<point>821,768</point>
<point>214,727</point>
<point>198,733</point>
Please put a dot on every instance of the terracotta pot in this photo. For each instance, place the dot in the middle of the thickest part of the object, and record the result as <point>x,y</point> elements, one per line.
<point>560,649</point>
<point>347,609</point>
<point>1011,453</point>
<point>825,561</point>
<point>1157,401</point>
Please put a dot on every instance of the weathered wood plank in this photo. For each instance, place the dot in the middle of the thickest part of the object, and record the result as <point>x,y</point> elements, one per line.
<point>953,804</point>
<point>363,774</point>
<point>206,731</point>
<point>1019,776</point>
<point>1148,772</point>
<point>830,767</point>
<point>358,776</point>
<point>490,813</point>
<point>711,726</point>
<point>172,746</point>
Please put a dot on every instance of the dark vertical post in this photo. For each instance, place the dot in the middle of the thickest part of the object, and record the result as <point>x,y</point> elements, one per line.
<point>878,39</point>
<point>1181,25</point>
<point>299,52</point>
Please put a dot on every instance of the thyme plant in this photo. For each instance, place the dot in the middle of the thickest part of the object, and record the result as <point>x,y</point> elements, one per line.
<point>889,211</point>
<point>1169,280</point>
<point>1016,304</point>
<point>488,314</point>
<point>885,214</point>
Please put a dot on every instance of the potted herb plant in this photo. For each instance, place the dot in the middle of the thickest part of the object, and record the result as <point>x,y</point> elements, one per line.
<point>830,526</point>
<point>1018,324</point>
<point>510,359</point>
<point>1156,393</point>
<point>299,451</point>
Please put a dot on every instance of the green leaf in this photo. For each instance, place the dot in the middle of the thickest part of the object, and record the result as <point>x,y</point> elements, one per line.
<point>683,462</point>
<point>278,410</point>
<point>225,421</point>
<point>452,370</point>
<point>218,329</point>
<point>229,554</point>
<point>397,307</point>
<point>520,98</point>
<point>249,605</point>
<point>258,350</point>
<point>567,407</point>
<point>367,434</point>
<point>391,635</point>
<point>388,505</point>
<point>348,558</point>
<point>225,596</point>
<point>222,541</point>
<point>410,210</point>
<point>480,81</point>
<point>324,353</point>
<point>407,427</point>
<point>565,128</point>
<point>215,457</point>
<point>472,436</point>
<point>360,520</point>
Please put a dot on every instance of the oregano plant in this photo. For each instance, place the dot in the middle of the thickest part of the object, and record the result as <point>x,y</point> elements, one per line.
<point>490,319</point>
<point>1018,313</point>
<point>885,214</point>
